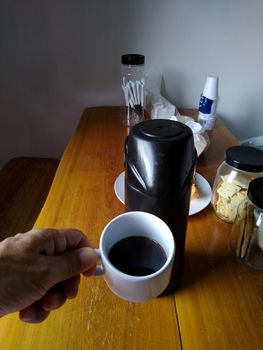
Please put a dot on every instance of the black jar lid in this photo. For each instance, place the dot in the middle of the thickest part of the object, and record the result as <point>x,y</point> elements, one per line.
<point>255,192</point>
<point>132,59</point>
<point>245,158</point>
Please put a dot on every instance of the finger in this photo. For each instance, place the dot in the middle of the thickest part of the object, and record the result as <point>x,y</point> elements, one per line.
<point>54,298</point>
<point>89,272</point>
<point>33,313</point>
<point>57,241</point>
<point>74,239</point>
<point>71,287</point>
<point>70,264</point>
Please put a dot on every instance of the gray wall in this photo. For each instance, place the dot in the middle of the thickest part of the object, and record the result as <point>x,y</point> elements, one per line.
<point>57,57</point>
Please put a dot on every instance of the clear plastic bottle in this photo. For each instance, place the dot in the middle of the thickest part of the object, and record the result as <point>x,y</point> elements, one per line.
<point>241,165</point>
<point>247,232</point>
<point>133,86</point>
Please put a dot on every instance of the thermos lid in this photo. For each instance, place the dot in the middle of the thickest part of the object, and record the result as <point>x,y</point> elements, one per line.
<point>159,129</point>
<point>160,157</point>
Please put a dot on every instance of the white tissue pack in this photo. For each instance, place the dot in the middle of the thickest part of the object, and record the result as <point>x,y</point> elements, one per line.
<point>158,107</point>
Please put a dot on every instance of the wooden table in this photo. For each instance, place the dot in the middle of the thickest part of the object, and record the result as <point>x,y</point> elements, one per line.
<point>219,305</point>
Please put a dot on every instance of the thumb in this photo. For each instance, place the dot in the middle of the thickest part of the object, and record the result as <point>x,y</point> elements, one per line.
<point>72,263</point>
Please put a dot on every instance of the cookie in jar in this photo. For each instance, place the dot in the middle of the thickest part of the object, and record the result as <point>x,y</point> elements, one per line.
<point>242,164</point>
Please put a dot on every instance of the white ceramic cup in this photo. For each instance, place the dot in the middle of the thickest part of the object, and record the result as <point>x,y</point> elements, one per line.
<point>128,287</point>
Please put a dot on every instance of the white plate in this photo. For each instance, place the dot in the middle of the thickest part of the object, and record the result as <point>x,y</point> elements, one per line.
<point>119,187</point>
<point>205,192</point>
<point>196,205</point>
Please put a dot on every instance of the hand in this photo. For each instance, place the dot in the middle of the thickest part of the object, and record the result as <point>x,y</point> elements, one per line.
<point>40,270</point>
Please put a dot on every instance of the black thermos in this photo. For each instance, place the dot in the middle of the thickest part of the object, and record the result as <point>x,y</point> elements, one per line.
<point>160,159</point>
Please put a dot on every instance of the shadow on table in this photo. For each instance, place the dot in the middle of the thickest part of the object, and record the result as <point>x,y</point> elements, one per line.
<point>199,266</point>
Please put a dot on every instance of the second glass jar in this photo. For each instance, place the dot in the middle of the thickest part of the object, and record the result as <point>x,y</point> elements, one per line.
<point>247,231</point>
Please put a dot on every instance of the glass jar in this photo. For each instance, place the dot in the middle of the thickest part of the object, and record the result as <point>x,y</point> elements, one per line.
<point>133,87</point>
<point>241,165</point>
<point>247,231</point>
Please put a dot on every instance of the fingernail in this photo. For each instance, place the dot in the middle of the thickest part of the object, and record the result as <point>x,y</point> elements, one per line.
<point>27,316</point>
<point>34,314</point>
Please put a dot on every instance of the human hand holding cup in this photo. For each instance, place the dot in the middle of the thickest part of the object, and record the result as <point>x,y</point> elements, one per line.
<point>136,252</point>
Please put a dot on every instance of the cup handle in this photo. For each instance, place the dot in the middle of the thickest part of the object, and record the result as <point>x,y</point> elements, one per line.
<point>99,271</point>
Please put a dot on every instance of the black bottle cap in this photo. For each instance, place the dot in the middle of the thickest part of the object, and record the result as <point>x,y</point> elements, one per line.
<point>255,192</point>
<point>132,59</point>
<point>245,158</point>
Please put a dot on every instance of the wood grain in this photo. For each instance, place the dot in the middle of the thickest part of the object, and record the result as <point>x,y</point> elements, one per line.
<point>24,186</point>
<point>219,305</point>
<point>82,196</point>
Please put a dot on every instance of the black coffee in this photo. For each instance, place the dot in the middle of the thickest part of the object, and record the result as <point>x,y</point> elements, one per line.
<point>137,256</point>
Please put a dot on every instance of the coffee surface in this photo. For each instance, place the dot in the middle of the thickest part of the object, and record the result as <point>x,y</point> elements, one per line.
<point>137,256</point>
